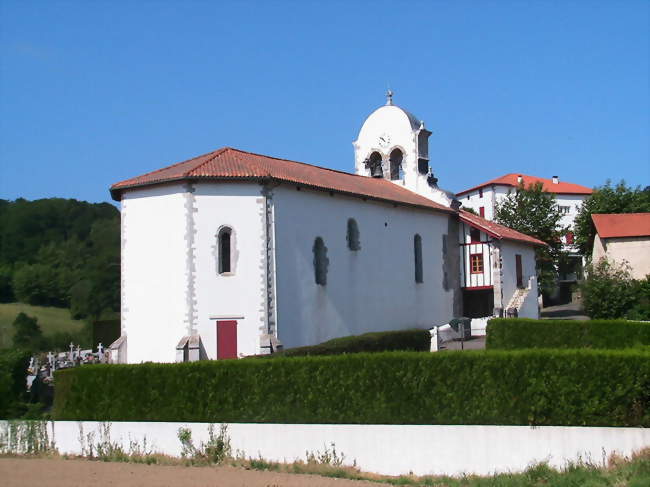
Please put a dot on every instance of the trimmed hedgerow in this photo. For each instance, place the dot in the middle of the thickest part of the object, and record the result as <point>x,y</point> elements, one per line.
<point>414,340</point>
<point>536,387</point>
<point>519,333</point>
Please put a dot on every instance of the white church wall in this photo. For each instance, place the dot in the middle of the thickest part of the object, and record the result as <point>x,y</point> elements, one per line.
<point>372,289</point>
<point>239,294</point>
<point>153,272</point>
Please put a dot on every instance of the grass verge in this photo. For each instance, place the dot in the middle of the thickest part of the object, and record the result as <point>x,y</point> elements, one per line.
<point>51,320</point>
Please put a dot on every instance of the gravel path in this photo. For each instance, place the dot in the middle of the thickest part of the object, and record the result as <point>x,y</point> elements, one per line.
<point>21,472</point>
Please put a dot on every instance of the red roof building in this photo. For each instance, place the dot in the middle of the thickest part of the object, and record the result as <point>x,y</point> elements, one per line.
<point>552,185</point>
<point>623,238</point>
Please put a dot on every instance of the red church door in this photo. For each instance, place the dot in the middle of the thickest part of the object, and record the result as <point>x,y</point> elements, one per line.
<point>226,339</point>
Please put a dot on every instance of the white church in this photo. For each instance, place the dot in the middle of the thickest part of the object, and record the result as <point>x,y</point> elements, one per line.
<point>232,253</point>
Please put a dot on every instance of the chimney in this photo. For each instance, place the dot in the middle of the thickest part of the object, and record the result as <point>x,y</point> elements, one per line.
<point>556,180</point>
<point>520,179</point>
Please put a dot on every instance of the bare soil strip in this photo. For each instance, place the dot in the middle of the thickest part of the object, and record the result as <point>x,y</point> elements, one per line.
<point>15,472</point>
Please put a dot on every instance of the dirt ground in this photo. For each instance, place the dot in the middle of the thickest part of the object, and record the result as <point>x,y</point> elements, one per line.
<point>21,472</point>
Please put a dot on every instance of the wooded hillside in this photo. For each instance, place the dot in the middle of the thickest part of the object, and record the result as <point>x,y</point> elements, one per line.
<point>59,252</point>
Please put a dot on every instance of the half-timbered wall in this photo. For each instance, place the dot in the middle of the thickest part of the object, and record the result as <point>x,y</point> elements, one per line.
<point>470,248</point>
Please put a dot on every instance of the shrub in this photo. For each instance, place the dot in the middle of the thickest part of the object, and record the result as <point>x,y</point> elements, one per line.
<point>608,291</point>
<point>414,340</point>
<point>518,333</point>
<point>28,334</point>
<point>641,308</point>
<point>13,370</point>
<point>537,387</point>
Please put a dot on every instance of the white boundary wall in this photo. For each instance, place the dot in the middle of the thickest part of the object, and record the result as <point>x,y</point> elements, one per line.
<point>386,449</point>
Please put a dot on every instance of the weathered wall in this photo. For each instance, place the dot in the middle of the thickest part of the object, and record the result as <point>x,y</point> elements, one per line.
<point>371,289</point>
<point>385,449</point>
<point>633,250</point>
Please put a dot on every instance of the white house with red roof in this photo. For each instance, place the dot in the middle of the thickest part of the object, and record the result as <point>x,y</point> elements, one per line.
<point>484,197</point>
<point>232,253</point>
<point>623,238</point>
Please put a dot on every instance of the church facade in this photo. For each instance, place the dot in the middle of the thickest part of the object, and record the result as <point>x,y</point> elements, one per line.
<point>232,253</point>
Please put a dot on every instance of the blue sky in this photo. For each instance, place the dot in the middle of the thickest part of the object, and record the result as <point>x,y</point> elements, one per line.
<point>94,92</point>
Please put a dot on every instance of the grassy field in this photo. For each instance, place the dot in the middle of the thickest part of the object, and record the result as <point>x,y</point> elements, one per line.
<point>51,320</point>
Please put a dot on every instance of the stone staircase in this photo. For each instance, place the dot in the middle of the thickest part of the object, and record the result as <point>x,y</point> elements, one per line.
<point>519,296</point>
<point>518,299</point>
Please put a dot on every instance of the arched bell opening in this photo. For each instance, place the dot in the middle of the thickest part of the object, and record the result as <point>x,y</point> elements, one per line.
<point>396,171</point>
<point>374,164</point>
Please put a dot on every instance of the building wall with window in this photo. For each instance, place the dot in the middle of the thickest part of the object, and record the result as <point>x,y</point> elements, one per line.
<point>373,288</point>
<point>239,294</point>
<point>172,286</point>
<point>508,252</point>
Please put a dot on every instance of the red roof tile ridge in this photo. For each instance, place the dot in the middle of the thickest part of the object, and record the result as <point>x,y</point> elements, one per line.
<point>295,162</point>
<point>176,164</point>
<point>547,182</point>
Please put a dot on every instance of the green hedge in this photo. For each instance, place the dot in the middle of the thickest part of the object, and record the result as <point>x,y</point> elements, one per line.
<point>518,333</point>
<point>13,372</point>
<point>540,387</point>
<point>414,340</point>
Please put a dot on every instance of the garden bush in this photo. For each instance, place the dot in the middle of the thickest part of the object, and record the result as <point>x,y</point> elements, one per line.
<point>517,333</point>
<point>414,340</point>
<point>610,292</point>
<point>13,370</point>
<point>530,387</point>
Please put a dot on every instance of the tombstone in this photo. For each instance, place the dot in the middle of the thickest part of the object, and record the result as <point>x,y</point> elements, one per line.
<point>31,364</point>
<point>50,359</point>
<point>100,353</point>
<point>71,354</point>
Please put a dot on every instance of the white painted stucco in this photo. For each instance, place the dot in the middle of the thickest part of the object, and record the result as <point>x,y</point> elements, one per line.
<point>241,293</point>
<point>384,449</point>
<point>509,250</point>
<point>389,128</point>
<point>371,289</point>
<point>154,278</point>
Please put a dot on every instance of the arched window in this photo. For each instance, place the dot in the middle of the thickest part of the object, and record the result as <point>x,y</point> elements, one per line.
<point>396,165</point>
<point>321,262</point>
<point>225,250</point>
<point>353,235</point>
<point>374,164</point>
<point>417,247</point>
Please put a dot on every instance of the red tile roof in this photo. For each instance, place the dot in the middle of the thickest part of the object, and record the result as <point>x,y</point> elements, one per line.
<point>234,164</point>
<point>512,180</point>
<point>609,225</point>
<point>497,231</point>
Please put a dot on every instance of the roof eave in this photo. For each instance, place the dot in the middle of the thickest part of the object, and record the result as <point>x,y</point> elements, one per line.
<point>116,192</point>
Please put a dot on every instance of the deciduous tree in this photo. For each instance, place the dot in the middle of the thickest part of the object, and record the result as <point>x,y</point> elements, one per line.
<point>535,212</point>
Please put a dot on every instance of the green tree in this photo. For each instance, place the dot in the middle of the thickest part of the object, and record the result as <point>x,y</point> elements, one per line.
<point>28,334</point>
<point>607,199</point>
<point>535,212</point>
